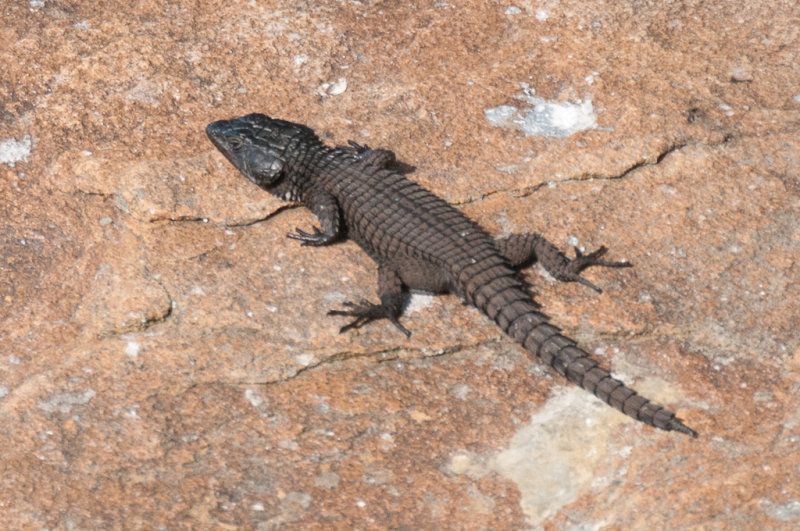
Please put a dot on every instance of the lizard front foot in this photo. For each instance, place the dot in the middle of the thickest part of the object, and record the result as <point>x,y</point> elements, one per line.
<point>366,312</point>
<point>315,240</point>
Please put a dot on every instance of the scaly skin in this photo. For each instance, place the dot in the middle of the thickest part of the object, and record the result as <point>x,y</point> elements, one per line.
<point>421,242</point>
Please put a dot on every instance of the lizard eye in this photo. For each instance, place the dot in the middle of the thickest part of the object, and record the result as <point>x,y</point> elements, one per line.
<point>236,143</point>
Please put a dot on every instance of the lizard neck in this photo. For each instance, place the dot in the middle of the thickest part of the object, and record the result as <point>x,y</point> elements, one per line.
<point>303,171</point>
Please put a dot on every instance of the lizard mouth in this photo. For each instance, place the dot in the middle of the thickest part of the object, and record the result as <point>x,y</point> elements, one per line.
<point>215,132</point>
<point>221,135</point>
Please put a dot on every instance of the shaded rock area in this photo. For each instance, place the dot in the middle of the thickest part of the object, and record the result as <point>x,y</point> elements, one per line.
<point>166,359</point>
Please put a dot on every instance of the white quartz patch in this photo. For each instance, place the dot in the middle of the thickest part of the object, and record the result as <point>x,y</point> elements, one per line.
<point>544,118</point>
<point>13,151</point>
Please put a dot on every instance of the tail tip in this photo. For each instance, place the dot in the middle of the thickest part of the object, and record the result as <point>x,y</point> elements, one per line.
<point>676,425</point>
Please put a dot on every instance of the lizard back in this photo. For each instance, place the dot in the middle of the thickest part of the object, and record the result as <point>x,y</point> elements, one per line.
<point>393,218</point>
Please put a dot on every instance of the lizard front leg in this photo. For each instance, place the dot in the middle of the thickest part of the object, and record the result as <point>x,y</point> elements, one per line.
<point>325,207</point>
<point>376,159</point>
<point>393,299</point>
<point>523,249</point>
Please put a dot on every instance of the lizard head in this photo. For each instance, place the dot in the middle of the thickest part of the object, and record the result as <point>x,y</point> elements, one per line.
<point>259,146</point>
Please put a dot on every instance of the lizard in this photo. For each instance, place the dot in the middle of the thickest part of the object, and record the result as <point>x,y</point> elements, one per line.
<point>421,242</point>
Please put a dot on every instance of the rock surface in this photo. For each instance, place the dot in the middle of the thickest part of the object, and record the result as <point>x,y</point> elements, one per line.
<point>167,361</point>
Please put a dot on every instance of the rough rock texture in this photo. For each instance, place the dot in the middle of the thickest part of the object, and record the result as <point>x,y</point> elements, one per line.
<point>166,358</point>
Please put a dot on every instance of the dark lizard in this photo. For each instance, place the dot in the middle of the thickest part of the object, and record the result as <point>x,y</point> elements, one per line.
<point>420,242</point>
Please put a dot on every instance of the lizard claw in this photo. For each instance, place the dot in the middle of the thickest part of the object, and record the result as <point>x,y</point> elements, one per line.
<point>366,312</point>
<point>360,149</point>
<point>316,239</point>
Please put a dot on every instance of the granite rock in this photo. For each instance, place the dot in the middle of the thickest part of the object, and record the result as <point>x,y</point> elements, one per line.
<point>167,361</point>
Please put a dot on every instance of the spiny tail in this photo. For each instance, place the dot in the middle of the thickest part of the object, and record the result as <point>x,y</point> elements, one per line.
<point>517,315</point>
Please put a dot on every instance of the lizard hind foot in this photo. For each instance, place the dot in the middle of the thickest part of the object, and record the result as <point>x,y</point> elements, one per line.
<point>366,312</point>
<point>582,261</point>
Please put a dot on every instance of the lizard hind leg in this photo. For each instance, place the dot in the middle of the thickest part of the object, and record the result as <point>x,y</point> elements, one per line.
<point>393,299</point>
<point>523,249</point>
